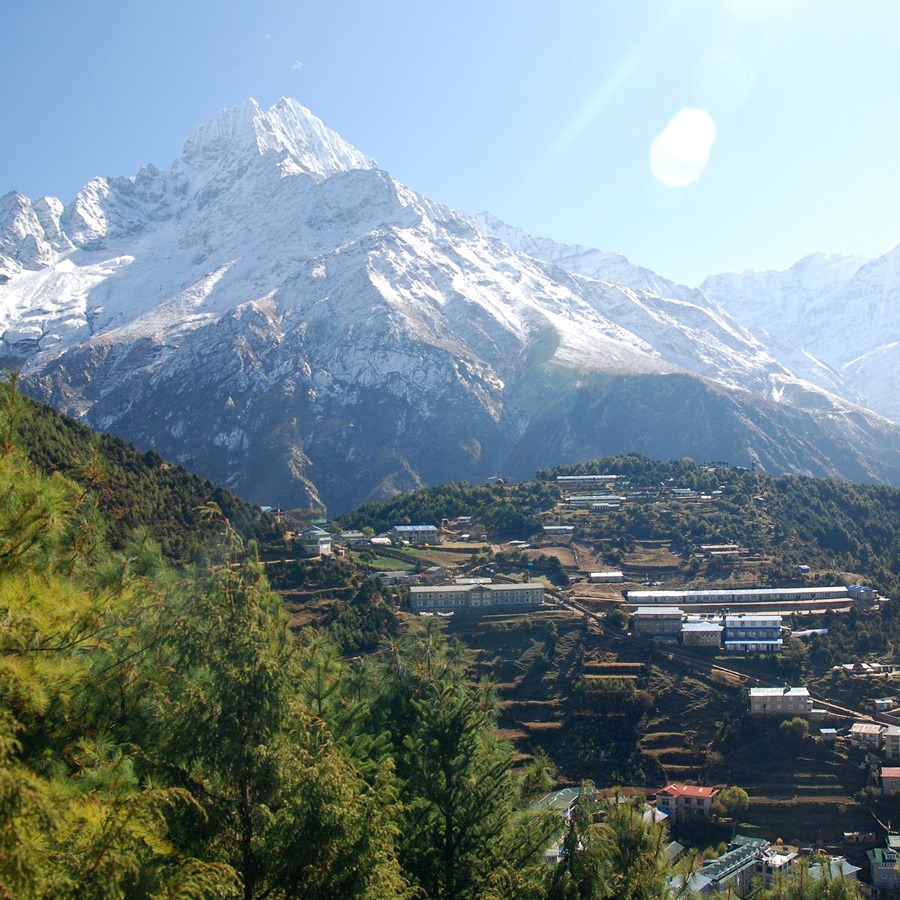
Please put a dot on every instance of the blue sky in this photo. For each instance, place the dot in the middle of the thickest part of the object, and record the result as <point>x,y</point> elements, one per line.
<point>547,115</point>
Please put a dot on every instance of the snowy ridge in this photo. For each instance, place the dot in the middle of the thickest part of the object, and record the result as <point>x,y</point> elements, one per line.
<point>602,265</point>
<point>833,319</point>
<point>30,233</point>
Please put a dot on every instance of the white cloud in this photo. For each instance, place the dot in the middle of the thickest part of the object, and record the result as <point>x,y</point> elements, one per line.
<point>297,66</point>
<point>680,153</point>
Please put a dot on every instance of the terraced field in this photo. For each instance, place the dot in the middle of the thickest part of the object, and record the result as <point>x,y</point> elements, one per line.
<point>694,731</point>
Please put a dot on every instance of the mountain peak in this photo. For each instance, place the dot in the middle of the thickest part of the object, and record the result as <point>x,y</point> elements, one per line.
<point>232,128</point>
<point>287,128</point>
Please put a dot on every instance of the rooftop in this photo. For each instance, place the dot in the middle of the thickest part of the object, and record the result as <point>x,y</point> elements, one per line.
<point>775,593</point>
<point>561,800</point>
<point>471,584</point>
<point>838,868</point>
<point>865,728</point>
<point>785,691</point>
<point>689,790</point>
<point>657,611</point>
<point>749,618</point>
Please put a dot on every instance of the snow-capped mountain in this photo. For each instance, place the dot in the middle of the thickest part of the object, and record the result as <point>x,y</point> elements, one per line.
<point>277,313</point>
<point>833,319</point>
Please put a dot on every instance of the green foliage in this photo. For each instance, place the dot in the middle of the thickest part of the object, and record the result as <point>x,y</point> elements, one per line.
<point>165,734</point>
<point>133,490</point>
<point>821,522</point>
<point>552,568</point>
<point>832,526</point>
<point>281,804</point>
<point>77,817</point>
<point>463,821</point>
<point>801,884</point>
<point>363,624</point>
<point>612,695</point>
<point>457,781</point>
<point>732,802</point>
<point>505,511</point>
<point>796,729</point>
<point>617,618</point>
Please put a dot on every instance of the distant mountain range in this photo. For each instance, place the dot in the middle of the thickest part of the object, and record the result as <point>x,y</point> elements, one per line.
<point>275,312</point>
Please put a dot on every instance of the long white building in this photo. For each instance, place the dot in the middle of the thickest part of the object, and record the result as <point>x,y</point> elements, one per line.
<point>477,596</point>
<point>738,595</point>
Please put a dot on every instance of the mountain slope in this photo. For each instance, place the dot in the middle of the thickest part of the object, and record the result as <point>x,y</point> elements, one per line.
<point>276,312</point>
<point>833,318</point>
<point>135,490</point>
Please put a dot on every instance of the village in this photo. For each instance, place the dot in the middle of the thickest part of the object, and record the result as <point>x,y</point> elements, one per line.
<point>451,571</point>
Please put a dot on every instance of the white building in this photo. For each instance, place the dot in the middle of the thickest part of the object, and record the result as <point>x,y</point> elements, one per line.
<point>884,865</point>
<point>780,701</point>
<point>414,534</point>
<point>758,633</point>
<point>866,735</point>
<point>890,781</point>
<point>891,738</point>
<point>315,541</point>
<point>738,595</point>
<point>585,482</point>
<point>477,596</point>
<point>400,576</point>
<point>678,799</point>
<point>606,577</point>
<point>835,868</point>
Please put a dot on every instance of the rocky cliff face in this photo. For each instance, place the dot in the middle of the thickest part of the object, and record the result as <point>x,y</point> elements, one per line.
<point>277,313</point>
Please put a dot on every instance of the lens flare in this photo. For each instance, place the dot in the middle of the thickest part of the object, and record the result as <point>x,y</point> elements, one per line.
<point>680,153</point>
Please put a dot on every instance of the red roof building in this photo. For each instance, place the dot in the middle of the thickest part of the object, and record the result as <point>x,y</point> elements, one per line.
<point>890,780</point>
<point>680,800</point>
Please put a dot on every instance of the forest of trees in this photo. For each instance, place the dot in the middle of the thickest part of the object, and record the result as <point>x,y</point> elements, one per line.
<point>133,489</point>
<point>506,511</point>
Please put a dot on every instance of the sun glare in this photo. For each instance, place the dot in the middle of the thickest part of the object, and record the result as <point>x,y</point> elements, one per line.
<point>679,154</point>
<point>764,10</point>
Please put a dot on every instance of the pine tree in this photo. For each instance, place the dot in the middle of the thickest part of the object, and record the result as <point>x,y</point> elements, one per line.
<point>76,818</point>
<point>463,821</point>
<point>281,804</point>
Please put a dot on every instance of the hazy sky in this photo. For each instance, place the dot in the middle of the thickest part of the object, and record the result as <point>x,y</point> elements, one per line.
<point>693,136</point>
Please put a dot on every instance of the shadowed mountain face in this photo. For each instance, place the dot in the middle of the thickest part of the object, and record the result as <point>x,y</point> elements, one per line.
<point>277,313</point>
